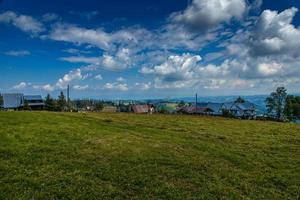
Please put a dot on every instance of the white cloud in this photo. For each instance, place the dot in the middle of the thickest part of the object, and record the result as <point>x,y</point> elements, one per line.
<point>68,78</point>
<point>98,77</point>
<point>74,34</point>
<point>262,52</point>
<point>116,86</point>
<point>81,59</point>
<point>206,14</point>
<point>46,87</point>
<point>121,79</point>
<point>23,22</point>
<point>80,87</point>
<point>17,53</point>
<point>274,34</point>
<point>143,86</point>
<point>21,85</point>
<point>49,17</point>
<point>76,51</point>
<point>96,37</point>
<point>269,69</point>
<point>176,68</point>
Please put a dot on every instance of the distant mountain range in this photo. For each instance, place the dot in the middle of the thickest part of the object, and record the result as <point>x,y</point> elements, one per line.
<point>258,100</point>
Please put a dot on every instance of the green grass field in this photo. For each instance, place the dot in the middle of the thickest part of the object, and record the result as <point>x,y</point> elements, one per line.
<point>126,156</point>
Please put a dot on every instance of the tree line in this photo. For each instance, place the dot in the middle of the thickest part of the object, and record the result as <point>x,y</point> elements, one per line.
<point>281,106</point>
<point>63,104</point>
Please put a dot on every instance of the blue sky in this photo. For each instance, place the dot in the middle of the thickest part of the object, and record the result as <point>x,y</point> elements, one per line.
<point>149,49</point>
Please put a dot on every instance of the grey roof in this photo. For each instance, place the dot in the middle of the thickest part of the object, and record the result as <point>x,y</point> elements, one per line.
<point>33,97</point>
<point>216,107</point>
<point>242,106</point>
<point>227,105</point>
<point>12,100</point>
<point>246,106</point>
<point>36,104</point>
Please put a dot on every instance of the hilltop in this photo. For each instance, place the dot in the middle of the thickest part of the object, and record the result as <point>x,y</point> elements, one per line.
<point>47,155</point>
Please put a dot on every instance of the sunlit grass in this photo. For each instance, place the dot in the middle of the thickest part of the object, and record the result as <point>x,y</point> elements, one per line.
<point>97,156</point>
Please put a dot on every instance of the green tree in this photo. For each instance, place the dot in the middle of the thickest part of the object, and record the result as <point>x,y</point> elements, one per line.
<point>226,113</point>
<point>26,105</point>
<point>275,103</point>
<point>49,103</point>
<point>181,104</point>
<point>99,106</point>
<point>240,100</point>
<point>1,101</point>
<point>61,102</point>
<point>292,107</point>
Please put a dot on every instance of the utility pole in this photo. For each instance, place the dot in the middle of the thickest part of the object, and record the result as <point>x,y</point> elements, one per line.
<point>196,103</point>
<point>68,95</point>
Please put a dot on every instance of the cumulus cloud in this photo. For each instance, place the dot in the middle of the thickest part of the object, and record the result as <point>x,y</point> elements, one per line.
<point>74,34</point>
<point>176,68</point>
<point>96,37</point>
<point>21,85</point>
<point>116,86</point>
<point>143,86</point>
<point>76,51</point>
<point>81,59</point>
<point>275,34</point>
<point>262,51</point>
<point>121,79</point>
<point>269,69</point>
<point>46,87</point>
<point>80,87</point>
<point>18,53</point>
<point>24,22</point>
<point>98,77</point>
<point>49,17</point>
<point>203,15</point>
<point>68,78</point>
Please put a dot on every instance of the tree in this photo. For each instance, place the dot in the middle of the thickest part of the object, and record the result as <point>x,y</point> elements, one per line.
<point>49,103</point>
<point>275,103</point>
<point>181,104</point>
<point>99,106</point>
<point>292,107</point>
<point>240,100</point>
<point>61,102</point>
<point>1,101</point>
<point>226,113</point>
<point>26,105</point>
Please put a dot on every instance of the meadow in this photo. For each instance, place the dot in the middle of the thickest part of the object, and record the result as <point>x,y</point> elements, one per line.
<point>47,155</point>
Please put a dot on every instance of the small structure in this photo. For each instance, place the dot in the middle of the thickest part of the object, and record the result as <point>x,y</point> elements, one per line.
<point>166,108</point>
<point>35,102</point>
<point>216,108</point>
<point>140,109</point>
<point>240,109</point>
<point>201,108</point>
<point>110,109</point>
<point>17,101</point>
<point>13,101</point>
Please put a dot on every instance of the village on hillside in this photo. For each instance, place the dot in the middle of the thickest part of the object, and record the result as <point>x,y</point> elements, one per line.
<point>239,108</point>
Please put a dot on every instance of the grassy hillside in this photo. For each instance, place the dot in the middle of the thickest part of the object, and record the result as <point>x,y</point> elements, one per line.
<point>103,156</point>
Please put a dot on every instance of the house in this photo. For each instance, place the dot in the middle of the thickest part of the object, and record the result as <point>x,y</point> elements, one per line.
<point>108,108</point>
<point>140,109</point>
<point>192,109</point>
<point>17,101</point>
<point>166,107</point>
<point>13,100</point>
<point>215,107</point>
<point>35,102</point>
<point>240,109</point>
